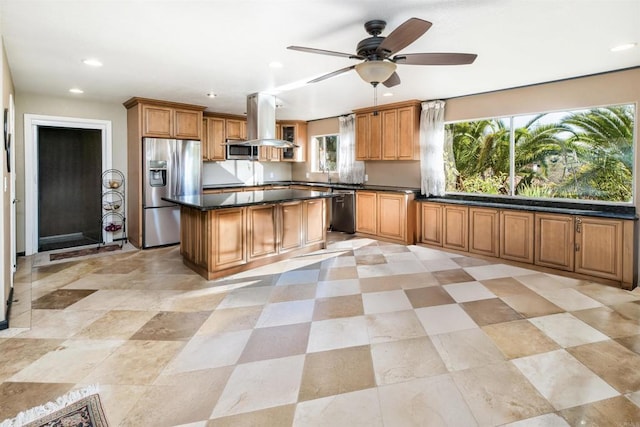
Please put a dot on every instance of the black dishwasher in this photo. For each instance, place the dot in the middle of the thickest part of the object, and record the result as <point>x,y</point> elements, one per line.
<point>343,211</point>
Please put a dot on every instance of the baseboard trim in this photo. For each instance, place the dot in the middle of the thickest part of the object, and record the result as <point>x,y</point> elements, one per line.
<point>5,323</point>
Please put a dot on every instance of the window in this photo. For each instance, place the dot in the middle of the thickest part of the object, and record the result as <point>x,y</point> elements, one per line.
<point>324,155</point>
<point>579,154</point>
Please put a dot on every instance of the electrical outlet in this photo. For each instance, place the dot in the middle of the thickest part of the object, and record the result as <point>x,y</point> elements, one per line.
<point>366,178</point>
<point>271,175</point>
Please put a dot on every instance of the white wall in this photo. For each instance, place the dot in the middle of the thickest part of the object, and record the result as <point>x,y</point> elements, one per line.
<point>64,106</point>
<point>244,172</point>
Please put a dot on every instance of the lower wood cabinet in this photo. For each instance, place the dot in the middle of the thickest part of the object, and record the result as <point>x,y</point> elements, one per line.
<point>554,241</point>
<point>431,228</point>
<point>261,226</point>
<point>484,231</point>
<point>516,236</point>
<point>385,214</point>
<point>590,246</point>
<point>599,244</point>
<point>455,223</point>
<point>314,225</point>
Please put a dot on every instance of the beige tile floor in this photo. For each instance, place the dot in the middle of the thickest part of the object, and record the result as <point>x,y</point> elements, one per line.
<point>364,333</point>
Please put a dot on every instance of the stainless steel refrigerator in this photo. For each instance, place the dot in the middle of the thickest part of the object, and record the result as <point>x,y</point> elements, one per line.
<point>171,167</point>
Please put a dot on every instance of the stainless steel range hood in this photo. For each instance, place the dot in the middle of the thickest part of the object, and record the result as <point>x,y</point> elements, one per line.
<point>261,123</point>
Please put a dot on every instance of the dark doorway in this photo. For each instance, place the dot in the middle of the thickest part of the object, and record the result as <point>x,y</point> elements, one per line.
<point>69,187</point>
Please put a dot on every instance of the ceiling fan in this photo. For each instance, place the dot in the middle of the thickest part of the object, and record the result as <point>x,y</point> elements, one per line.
<point>379,53</point>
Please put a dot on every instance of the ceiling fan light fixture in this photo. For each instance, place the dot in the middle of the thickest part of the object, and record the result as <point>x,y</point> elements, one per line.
<point>375,72</point>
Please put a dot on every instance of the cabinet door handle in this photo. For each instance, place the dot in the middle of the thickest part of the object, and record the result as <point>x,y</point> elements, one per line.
<point>578,225</point>
<point>577,247</point>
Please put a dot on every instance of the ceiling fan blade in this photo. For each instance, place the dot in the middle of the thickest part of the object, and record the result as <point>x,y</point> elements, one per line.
<point>324,52</point>
<point>435,58</point>
<point>335,73</point>
<point>408,32</point>
<point>392,81</point>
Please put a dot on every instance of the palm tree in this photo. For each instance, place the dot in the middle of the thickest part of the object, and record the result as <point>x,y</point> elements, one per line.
<point>604,137</point>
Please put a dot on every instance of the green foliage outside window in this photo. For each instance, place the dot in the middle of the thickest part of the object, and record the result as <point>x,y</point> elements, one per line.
<point>585,154</point>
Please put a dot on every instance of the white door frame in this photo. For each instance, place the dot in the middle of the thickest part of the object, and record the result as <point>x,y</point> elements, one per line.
<point>31,123</point>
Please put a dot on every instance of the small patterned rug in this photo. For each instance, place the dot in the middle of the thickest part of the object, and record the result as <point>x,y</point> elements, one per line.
<point>78,408</point>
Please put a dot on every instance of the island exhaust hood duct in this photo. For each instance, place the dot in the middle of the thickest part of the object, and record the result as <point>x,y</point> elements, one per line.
<point>261,123</point>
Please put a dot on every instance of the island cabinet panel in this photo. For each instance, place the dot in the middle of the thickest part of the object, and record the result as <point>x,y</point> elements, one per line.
<point>392,214</point>
<point>291,235</point>
<point>598,246</point>
<point>431,231</point>
<point>229,242</point>
<point>554,246</point>
<point>455,223</point>
<point>484,231</point>
<point>261,227</point>
<point>516,236</point>
<point>195,236</point>
<point>366,212</point>
<point>314,221</point>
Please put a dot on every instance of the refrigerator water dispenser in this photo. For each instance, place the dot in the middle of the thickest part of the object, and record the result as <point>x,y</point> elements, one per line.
<point>157,173</point>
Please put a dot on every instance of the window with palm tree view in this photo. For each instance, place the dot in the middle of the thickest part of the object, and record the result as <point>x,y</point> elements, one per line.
<point>580,154</point>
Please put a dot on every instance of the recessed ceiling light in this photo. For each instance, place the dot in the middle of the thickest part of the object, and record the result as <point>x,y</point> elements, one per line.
<point>622,47</point>
<point>76,90</point>
<point>275,64</point>
<point>92,62</point>
<point>387,94</point>
<point>211,95</point>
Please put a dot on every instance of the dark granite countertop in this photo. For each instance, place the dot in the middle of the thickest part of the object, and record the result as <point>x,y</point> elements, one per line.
<point>561,207</point>
<point>205,202</point>
<point>329,185</point>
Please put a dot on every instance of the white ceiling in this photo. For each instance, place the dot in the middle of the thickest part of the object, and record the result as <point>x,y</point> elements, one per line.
<point>180,50</point>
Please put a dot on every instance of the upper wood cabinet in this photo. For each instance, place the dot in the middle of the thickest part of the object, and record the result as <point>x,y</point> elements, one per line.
<point>368,136</point>
<point>296,132</point>
<point>388,132</point>
<point>160,121</point>
<point>213,139</point>
<point>236,129</point>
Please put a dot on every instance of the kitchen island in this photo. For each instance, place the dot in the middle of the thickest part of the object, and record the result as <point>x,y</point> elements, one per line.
<point>223,234</point>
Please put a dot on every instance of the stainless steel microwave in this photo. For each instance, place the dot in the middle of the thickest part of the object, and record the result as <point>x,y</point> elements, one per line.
<point>241,152</point>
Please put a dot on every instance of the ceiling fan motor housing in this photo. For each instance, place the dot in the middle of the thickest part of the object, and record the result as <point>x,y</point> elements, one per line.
<point>368,47</point>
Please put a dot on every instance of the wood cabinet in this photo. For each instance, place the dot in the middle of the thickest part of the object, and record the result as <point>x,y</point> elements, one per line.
<point>261,231</point>
<point>455,223</point>
<point>229,238</point>
<point>392,216</point>
<point>314,225</point>
<point>296,132</point>
<point>388,132</point>
<point>213,139</point>
<point>599,244</point>
<point>366,212</point>
<point>236,129</point>
<point>516,236</point>
<point>167,122</point>
<point>156,119</point>
<point>484,231</point>
<point>368,136</point>
<point>291,236</point>
<point>431,223</point>
<point>554,241</point>
<point>386,215</point>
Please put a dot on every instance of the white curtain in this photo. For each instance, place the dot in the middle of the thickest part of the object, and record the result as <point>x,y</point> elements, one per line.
<point>350,170</point>
<point>432,148</point>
